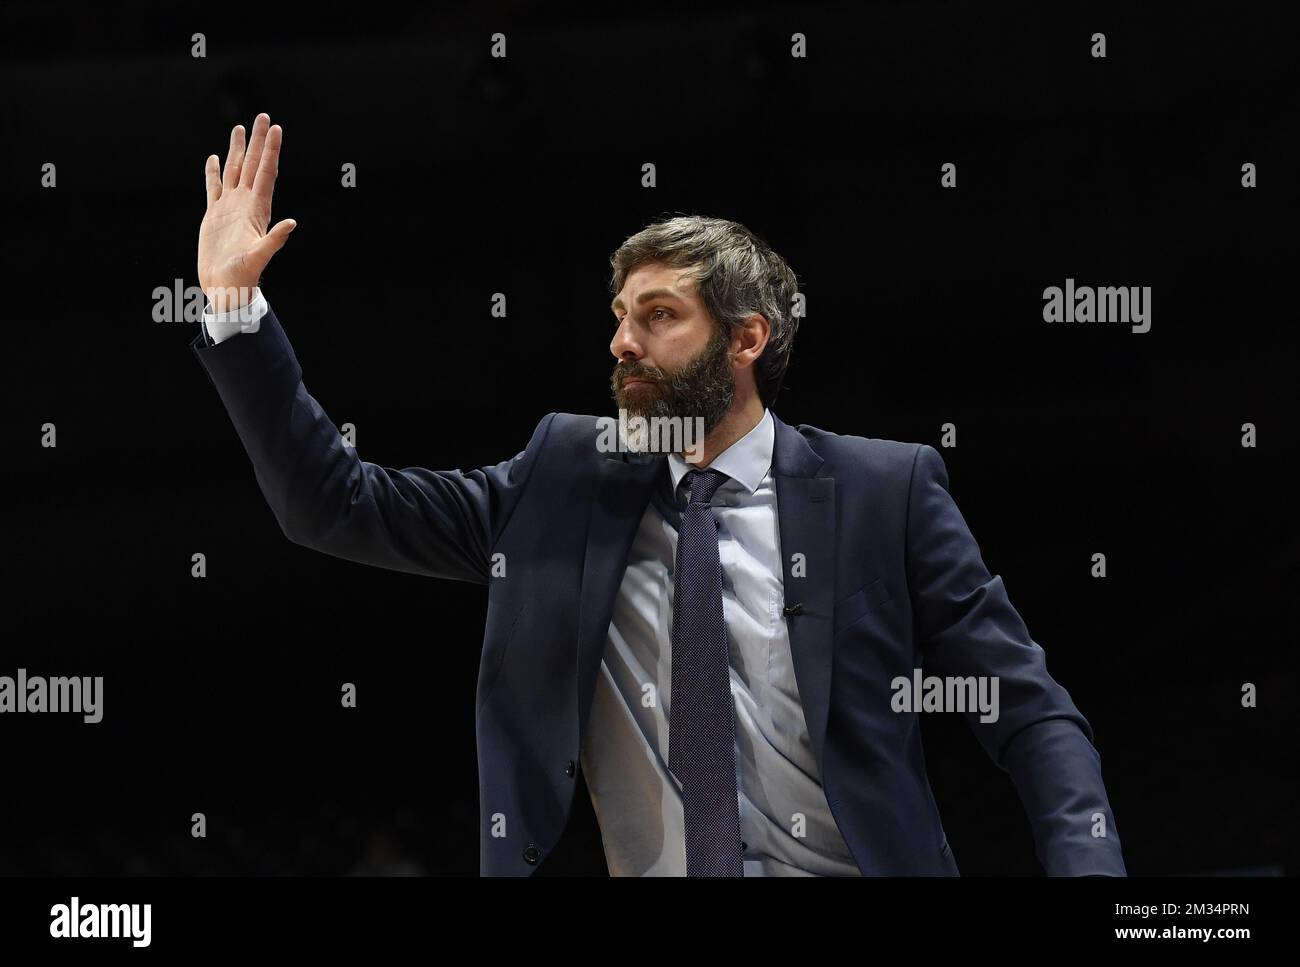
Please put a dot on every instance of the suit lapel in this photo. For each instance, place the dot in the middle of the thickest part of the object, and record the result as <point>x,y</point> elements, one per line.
<point>621,494</point>
<point>805,507</point>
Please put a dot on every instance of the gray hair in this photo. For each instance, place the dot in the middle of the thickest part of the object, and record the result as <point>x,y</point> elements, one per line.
<point>736,274</point>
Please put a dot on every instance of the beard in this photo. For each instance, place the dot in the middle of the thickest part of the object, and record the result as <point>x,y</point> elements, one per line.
<point>703,388</point>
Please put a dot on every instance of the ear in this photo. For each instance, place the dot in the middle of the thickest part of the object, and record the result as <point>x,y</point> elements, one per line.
<point>749,339</point>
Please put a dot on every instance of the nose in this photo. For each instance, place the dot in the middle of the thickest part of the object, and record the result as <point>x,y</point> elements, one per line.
<point>624,345</point>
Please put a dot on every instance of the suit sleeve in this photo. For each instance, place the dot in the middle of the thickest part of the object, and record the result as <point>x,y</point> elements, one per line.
<point>965,626</point>
<point>436,523</point>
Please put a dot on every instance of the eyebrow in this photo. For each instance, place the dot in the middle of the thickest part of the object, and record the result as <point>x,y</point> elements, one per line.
<point>647,296</point>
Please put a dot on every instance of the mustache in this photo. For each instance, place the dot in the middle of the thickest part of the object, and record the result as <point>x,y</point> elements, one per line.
<point>622,373</point>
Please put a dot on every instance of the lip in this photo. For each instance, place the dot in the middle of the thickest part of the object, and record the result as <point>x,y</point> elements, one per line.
<point>634,382</point>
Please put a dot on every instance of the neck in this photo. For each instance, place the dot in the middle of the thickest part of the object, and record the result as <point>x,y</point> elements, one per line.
<point>740,419</point>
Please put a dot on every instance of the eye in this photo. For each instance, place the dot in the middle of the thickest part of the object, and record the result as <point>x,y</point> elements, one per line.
<point>659,309</point>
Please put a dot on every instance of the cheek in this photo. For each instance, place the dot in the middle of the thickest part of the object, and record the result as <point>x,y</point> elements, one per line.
<point>675,350</point>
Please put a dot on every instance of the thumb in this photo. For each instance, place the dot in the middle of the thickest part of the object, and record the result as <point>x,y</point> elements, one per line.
<point>273,241</point>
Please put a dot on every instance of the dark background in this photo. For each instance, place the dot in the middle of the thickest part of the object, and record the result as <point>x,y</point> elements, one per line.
<point>521,176</point>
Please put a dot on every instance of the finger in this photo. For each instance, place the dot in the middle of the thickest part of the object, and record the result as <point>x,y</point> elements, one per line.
<point>260,124</point>
<point>269,166</point>
<point>234,157</point>
<point>212,175</point>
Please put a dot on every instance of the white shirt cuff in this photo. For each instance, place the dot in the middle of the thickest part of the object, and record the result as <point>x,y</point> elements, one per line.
<point>223,325</point>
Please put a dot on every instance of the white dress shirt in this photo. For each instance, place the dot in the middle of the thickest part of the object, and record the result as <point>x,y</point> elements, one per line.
<point>785,820</point>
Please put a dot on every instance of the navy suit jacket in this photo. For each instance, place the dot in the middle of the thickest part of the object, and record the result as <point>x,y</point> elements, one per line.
<point>894,581</point>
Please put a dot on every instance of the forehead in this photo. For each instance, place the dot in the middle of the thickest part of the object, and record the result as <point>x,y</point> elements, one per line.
<point>655,280</point>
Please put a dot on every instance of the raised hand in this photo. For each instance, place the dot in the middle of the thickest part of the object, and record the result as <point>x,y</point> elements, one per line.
<point>234,244</point>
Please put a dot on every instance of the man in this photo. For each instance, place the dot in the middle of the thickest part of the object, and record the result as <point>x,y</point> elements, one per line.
<point>726,645</point>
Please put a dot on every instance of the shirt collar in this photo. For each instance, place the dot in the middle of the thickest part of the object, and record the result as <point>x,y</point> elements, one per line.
<point>747,461</point>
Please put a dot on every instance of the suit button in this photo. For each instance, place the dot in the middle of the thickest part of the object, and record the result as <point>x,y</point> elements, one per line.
<point>532,854</point>
<point>568,768</point>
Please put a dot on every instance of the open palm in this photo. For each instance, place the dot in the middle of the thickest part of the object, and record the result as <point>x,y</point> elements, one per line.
<point>234,244</point>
